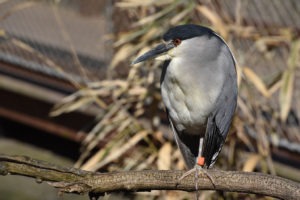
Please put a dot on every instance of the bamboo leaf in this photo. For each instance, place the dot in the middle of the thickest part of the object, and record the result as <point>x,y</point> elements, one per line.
<point>177,18</point>
<point>285,97</point>
<point>294,58</point>
<point>256,80</point>
<point>214,18</point>
<point>2,33</point>
<point>136,3</point>
<point>123,53</point>
<point>16,8</point>
<point>127,37</point>
<point>157,15</point>
<point>164,157</point>
<point>116,153</point>
<point>251,162</point>
<point>286,90</point>
<point>69,107</point>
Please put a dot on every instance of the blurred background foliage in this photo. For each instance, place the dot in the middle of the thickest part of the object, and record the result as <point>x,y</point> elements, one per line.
<point>131,131</point>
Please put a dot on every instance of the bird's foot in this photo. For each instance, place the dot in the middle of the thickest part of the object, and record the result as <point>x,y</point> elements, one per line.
<point>187,174</point>
<point>198,170</point>
<point>206,173</point>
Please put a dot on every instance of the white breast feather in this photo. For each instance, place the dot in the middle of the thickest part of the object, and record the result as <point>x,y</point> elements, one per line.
<point>189,97</point>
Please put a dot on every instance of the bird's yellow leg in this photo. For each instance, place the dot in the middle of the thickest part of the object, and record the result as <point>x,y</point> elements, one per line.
<point>198,169</point>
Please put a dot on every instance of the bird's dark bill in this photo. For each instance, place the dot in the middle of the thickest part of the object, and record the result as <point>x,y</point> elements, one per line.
<point>158,50</point>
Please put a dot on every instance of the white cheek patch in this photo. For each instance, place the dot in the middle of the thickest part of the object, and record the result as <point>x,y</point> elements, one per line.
<point>163,57</point>
<point>168,55</point>
<point>172,52</point>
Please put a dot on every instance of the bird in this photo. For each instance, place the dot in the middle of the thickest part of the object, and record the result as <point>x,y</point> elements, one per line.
<point>199,90</point>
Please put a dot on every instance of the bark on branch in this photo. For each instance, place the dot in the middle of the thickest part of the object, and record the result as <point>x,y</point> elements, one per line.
<point>73,180</point>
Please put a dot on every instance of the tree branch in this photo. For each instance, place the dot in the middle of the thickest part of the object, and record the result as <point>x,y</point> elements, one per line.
<point>71,180</point>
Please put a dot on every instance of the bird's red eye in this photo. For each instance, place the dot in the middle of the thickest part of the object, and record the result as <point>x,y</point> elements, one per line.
<point>177,41</point>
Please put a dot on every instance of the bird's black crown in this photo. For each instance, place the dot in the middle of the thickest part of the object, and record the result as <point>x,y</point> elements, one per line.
<point>187,31</point>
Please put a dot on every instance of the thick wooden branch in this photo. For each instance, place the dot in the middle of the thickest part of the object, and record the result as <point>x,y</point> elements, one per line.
<point>73,180</point>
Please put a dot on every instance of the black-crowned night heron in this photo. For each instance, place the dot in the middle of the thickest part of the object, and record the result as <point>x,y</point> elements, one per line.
<point>199,90</point>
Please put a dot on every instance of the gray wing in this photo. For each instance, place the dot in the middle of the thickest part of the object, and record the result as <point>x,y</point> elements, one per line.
<point>188,145</point>
<point>219,121</point>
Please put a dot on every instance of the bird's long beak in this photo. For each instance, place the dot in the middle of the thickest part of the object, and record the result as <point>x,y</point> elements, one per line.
<point>154,53</point>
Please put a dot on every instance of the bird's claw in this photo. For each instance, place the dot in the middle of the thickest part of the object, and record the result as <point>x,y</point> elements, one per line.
<point>198,170</point>
<point>186,174</point>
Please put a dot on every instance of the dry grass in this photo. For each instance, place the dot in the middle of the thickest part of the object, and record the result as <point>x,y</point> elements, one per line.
<point>129,133</point>
<point>126,143</point>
